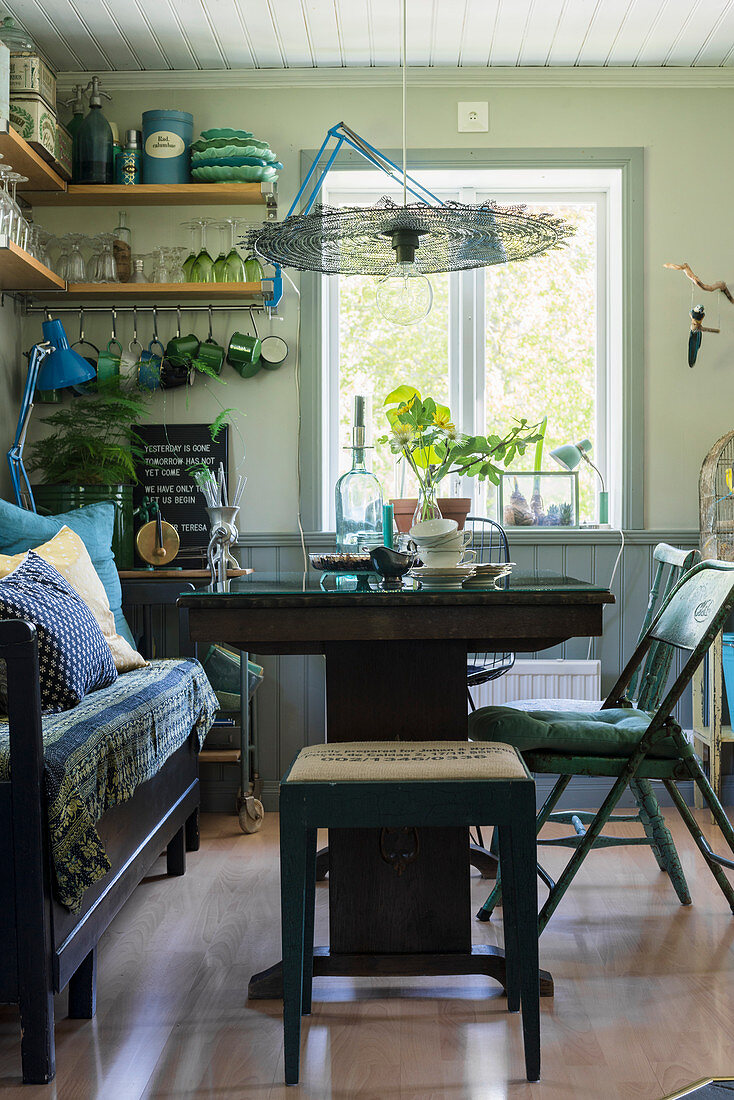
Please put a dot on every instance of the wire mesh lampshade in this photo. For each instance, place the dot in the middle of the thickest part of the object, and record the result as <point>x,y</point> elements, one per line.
<point>358,240</point>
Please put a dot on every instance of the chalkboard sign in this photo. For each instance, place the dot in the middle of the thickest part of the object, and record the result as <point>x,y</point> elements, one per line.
<point>170,449</point>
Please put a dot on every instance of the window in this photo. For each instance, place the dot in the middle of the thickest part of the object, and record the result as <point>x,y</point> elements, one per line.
<point>547,336</point>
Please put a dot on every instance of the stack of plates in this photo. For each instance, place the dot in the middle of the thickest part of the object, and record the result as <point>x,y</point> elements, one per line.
<point>444,577</point>
<point>486,574</point>
<point>225,154</point>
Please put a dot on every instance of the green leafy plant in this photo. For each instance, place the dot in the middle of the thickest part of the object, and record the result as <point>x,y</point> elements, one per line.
<point>92,440</point>
<point>423,433</point>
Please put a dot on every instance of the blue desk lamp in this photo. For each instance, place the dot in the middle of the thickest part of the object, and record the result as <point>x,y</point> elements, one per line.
<point>569,455</point>
<point>53,366</point>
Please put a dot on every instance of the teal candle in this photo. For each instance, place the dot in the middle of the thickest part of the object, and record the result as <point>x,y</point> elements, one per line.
<point>387,526</point>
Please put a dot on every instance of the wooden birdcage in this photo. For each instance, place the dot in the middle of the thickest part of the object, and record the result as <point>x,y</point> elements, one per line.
<point>716,500</point>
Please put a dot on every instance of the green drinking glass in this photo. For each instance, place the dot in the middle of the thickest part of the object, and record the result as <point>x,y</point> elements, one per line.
<point>220,264</point>
<point>188,265</point>
<point>235,263</point>
<point>203,269</point>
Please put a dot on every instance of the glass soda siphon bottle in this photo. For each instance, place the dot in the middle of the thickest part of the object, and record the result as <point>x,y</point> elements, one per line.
<point>358,494</point>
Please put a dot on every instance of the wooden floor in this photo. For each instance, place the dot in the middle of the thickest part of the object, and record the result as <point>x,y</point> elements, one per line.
<point>644,996</point>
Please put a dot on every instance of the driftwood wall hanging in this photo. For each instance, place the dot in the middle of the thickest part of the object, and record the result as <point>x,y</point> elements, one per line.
<point>697,311</point>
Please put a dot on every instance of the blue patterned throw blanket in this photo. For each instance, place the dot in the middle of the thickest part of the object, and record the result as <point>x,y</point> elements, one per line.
<point>98,753</point>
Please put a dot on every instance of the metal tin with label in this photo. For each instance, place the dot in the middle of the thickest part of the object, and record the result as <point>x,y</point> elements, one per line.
<point>167,136</point>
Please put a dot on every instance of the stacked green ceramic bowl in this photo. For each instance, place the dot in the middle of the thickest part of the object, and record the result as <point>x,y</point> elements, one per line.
<point>225,156</point>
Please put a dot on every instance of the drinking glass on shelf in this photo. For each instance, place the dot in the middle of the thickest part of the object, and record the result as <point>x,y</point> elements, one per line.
<point>188,264</point>
<point>220,264</point>
<point>104,269</point>
<point>176,264</point>
<point>203,270</point>
<point>160,272</point>
<point>6,205</point>
<point>76,268</point>
<point>19,231</point>
<point>235,263</point>
<point>61,264</point>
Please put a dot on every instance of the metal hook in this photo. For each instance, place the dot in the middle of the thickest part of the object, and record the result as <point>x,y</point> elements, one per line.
<point>178,320</point>
<point>210,338</point>
<point>81,325</point>
<point>252,322</point>
<point>155,323</point>
<point>135,343</point>
<point>114,322</point>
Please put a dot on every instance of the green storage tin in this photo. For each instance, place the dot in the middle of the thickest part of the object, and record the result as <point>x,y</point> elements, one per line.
<point>55,499</point>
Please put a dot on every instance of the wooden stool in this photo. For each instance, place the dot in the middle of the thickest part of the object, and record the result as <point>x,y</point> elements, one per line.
<point>394,784</point>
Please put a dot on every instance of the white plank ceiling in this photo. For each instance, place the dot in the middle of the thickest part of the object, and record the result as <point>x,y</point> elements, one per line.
<point>282,34</point>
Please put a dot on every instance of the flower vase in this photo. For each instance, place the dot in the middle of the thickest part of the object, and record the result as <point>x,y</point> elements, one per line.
<point>427,506</point>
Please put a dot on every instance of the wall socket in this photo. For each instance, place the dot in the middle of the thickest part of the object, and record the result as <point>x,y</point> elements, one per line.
<point>473,118</point>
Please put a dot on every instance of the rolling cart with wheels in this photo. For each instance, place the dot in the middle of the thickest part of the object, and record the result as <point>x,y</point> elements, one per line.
<point>235,680</point>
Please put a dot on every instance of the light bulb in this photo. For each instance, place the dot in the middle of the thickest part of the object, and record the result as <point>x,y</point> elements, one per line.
<point>404,295</point>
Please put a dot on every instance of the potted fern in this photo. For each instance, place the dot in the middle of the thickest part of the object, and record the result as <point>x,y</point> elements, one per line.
<point>89,455</point>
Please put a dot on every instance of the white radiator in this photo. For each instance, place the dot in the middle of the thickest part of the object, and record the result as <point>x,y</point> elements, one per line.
<point>542,679</point>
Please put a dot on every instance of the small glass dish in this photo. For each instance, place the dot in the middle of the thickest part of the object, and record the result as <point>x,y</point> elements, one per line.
<point>341,563</point>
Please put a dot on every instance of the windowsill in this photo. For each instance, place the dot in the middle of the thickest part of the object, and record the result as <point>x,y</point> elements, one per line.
<point>320,540</point>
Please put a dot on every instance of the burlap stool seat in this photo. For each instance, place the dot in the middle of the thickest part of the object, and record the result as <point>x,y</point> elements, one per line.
<point>393,784</point>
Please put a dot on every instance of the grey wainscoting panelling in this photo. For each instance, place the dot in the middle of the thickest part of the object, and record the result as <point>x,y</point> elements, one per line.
<point>289,707</point>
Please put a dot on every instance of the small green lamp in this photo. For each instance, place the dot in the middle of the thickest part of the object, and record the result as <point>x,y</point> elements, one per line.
<point>569,455</point>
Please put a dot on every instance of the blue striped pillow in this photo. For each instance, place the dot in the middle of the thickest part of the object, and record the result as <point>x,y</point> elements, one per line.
<point>73,656</point>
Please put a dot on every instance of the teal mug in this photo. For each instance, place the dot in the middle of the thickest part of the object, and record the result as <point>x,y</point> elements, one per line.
<point>149,367</point>
<point>243,354</point>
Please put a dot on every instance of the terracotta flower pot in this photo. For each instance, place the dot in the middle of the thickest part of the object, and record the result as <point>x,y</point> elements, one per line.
<point>451,508</point>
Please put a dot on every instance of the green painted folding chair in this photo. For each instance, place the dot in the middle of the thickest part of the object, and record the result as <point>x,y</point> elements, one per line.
<point>645,691</point>
<point>620,741</point>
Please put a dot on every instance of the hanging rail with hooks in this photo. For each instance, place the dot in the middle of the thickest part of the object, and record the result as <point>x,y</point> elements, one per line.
<point>52,310</point>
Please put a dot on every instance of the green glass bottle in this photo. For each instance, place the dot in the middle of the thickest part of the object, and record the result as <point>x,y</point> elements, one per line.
<point>92,151</point>
<point>77,109</point>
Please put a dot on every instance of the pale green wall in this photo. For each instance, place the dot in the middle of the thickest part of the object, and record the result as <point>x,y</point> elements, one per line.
<point>12,377</point>
<point>688,167</point>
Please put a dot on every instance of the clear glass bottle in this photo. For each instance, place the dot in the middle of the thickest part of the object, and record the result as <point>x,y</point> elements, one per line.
<point>123,240</point>
<point>358,494</point>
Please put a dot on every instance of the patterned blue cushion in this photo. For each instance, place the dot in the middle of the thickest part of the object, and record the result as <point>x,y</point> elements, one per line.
<point>73,656</point>
<point>23,530</point>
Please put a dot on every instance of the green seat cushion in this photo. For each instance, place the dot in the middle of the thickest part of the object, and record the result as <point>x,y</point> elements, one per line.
<point>613,732</point>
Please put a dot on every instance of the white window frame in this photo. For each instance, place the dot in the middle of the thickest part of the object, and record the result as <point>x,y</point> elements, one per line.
<point>618,194</point>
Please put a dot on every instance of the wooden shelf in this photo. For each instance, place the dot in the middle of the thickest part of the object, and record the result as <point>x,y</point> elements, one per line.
<point>220,756</point>
<point>158,292</point>
<point>42,179</point>
<point>20,271</point>
<point>157,194</point>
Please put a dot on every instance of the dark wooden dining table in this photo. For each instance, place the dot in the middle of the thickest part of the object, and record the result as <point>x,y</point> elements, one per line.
<point>396,666</point>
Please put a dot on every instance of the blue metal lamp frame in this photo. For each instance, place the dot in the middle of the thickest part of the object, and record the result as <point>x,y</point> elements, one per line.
<point>15,454</point>
<point>342,134</point>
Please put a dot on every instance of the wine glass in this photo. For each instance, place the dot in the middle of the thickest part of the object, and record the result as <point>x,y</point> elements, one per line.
<point>188,264</point>
<point>160,266</point>
<point>6,205</point>
<point>75,268</point>
<point>20,225</point>
<point>203,270</point>
<point>235,263</point>
<point>220,264</point>
<point>176,264</point>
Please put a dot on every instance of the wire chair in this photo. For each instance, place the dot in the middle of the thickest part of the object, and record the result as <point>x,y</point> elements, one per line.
<point>490,543</point>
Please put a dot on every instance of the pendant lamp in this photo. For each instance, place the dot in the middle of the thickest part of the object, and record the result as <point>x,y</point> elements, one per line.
<point>399,244</point>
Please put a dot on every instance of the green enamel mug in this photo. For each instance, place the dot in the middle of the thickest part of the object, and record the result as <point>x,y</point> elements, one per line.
<point>108,364</point>
<point>243,354</point>
<point>212,355</point>
<point>181,349</point>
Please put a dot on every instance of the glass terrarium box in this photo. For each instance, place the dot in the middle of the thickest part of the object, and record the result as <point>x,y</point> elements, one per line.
<point>546,499</point>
